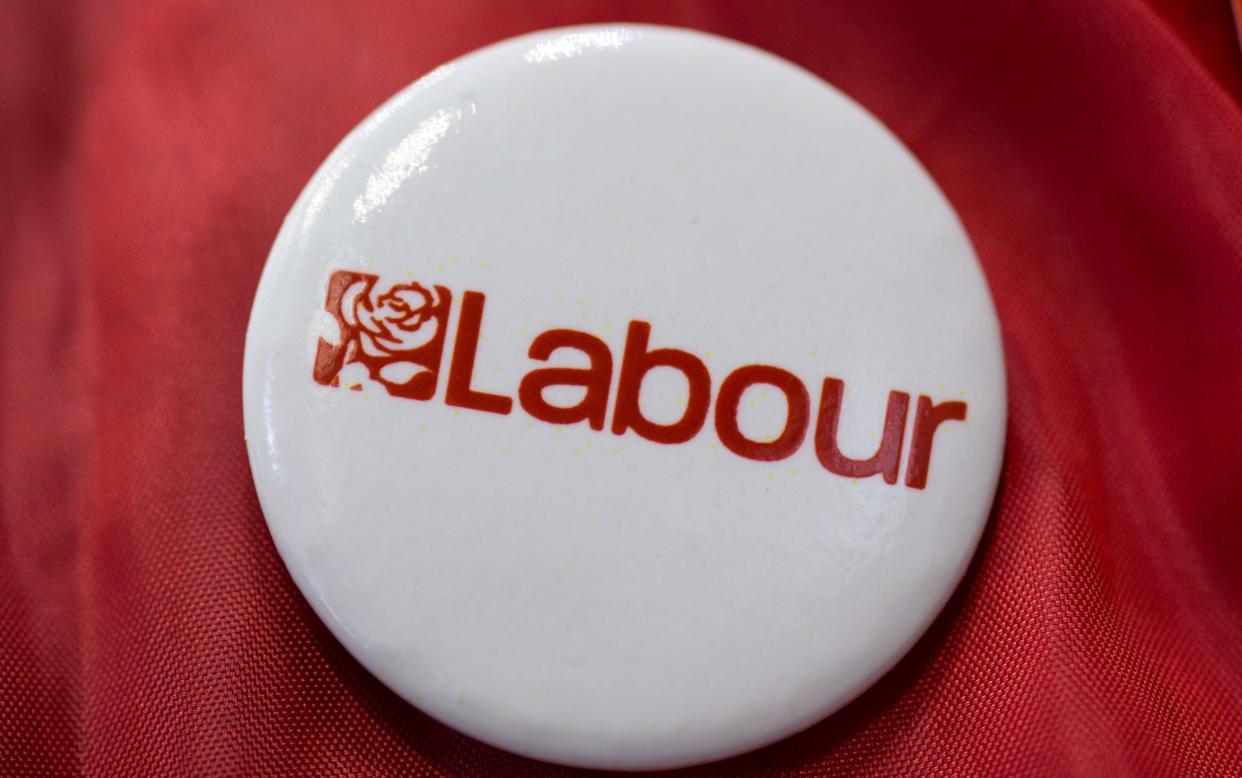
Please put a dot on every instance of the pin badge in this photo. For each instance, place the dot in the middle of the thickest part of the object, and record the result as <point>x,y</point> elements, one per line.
<point>624,397</point>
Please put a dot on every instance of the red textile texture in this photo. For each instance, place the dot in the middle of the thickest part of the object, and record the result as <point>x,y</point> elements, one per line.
<point>150,151</point>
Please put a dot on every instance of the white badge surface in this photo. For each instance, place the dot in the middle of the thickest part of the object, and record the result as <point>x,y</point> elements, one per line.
<point>624,396</point>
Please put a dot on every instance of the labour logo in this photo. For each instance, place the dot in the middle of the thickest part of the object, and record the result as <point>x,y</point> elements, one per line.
<point>398,336</point>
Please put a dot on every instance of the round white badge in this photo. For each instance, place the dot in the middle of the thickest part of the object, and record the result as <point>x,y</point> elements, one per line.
<point>624,396</point>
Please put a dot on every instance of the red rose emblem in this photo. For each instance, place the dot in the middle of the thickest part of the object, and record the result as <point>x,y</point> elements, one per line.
<point>397,336</point>
<point>400,320</point>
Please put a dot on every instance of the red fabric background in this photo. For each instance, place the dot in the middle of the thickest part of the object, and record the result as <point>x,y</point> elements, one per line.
<point>150,150</point>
